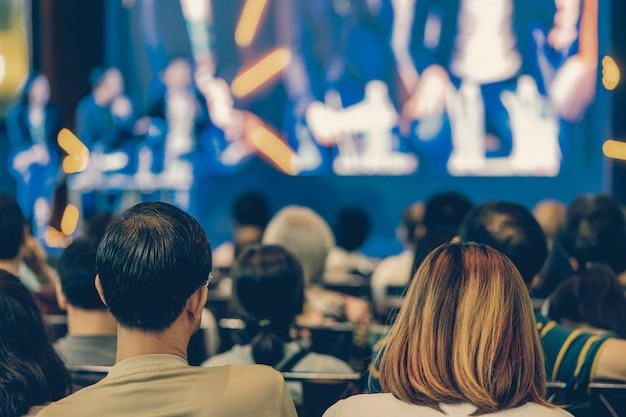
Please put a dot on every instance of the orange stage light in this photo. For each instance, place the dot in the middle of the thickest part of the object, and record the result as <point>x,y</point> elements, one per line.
<point>70,218</point>
<point>614,149</point>
<point>261,72</point>
<point>274,149</point>
<point>249,21</point>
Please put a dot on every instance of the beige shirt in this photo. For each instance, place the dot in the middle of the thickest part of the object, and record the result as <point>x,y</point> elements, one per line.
<point>165,385</point>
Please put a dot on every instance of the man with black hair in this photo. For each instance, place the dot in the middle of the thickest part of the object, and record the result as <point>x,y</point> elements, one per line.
<point>572,356</point>
<point>153,267</point>
<point>91,329</point>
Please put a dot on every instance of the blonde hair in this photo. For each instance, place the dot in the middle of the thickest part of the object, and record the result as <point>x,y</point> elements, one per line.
<point>305,234</point>
<point>465,333</point>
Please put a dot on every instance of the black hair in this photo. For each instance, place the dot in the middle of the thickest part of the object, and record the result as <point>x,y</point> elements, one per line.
<point>31,373</point>
<point>268,289</point>
<point>150,262</point>
<point>12,224</point>
<point>511,229</point>
<point>443,215</point>
<point>77,271</point>
<point>594,230</point>
<point>593,296</point>
<point>250,209</point>
<point>352,227</point>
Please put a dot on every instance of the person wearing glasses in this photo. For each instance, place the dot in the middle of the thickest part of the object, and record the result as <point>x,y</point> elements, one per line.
<point>153,268</point>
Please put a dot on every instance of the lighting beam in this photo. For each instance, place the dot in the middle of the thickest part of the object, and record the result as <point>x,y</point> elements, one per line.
<point>264,70</point>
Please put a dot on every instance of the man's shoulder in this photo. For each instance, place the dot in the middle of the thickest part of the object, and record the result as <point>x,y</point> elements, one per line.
<point>261,374</point>
<point>235,380</point>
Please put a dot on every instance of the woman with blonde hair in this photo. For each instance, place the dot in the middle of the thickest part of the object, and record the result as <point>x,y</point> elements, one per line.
<point>464,343</point>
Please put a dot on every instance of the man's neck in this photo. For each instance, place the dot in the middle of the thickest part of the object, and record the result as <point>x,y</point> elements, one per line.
<point>81,322</point>
<point>131,343</point>
<point>11,265</point>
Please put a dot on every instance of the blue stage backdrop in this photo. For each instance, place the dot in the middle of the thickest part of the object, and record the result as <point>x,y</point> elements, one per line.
<point>376,103</point>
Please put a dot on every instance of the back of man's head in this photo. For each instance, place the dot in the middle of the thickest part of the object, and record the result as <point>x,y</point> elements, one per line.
<point>150,262</point>
<point>352,226</point>
<point>594,230</point>
<point>443,215</point>
<point>11,228</point>
<point>511,229</point>
<point>77,270</point>
<point>250,209</point>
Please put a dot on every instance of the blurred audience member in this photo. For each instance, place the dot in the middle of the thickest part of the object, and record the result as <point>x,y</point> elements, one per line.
<point>550,213</point>
<point>443,215</point>
<point>594,230</point>
<point>249,215</point>
<point>395,271</point>
<point>91,329</point>
<point>31,373</point>
<point>467,358</point>
<point>20,254</point>
<point>351,229</point>
<point>305,234</point>
<point>95,226</point>
<point>268,290</point>
<point>592,300</point>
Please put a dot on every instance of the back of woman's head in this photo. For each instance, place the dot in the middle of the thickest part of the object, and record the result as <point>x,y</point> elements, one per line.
<point>465,334</point>
<point>592,297</point>
<point>31,373</point>
<point>269,291</point>
<point>306,235</point>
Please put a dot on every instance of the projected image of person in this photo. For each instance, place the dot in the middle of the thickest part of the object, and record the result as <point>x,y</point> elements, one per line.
<point>495,83</point>
<point>33,123</point>
<point>341,87</point>
<point>105,122</point>
<point>175,118</point>
<point>223,145</point>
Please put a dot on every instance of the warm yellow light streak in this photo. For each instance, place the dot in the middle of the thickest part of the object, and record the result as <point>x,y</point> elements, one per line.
<point>70,143</point>
<point>249,22</point>
<point>261,72</point>
<point>610,73</point>
<point>614,149</point>
<point>274,149</point>
<point>69,221</point>
<point>75,163</point>
<point>78,154</point>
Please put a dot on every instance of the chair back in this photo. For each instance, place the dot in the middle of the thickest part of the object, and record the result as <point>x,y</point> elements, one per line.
<point>556,393</point>
<point>607,399</point>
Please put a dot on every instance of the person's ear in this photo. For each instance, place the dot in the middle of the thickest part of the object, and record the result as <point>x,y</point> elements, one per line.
<point>99,289</point>
<point>61,299</point>
<point>197,301</point>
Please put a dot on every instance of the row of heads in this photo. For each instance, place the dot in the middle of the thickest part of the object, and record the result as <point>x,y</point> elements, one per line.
<point>156,253</point>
